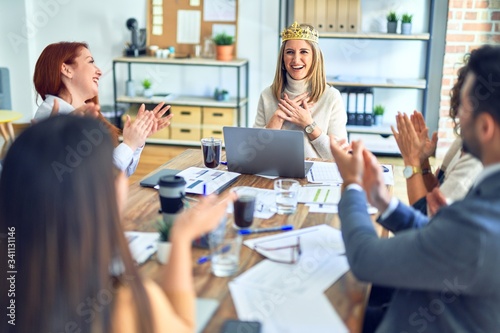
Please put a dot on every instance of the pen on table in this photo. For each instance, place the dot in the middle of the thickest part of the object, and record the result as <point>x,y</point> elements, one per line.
<point>204,259</point>
<point>314,185</point>
<point>204,189</point>
<point>223,162</point>
<point>258,231</point>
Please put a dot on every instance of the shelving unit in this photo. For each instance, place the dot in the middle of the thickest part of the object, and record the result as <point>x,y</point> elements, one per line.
<point>374,133</point>
<point>195,116</point>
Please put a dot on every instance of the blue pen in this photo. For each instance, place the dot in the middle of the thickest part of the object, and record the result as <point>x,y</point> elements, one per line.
<point>204,189</point>
<point>223,162</point>
<point>204,259</point>
<point>258,231</point>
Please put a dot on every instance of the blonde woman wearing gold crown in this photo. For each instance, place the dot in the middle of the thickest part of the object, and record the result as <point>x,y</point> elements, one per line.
<point>299,98</point>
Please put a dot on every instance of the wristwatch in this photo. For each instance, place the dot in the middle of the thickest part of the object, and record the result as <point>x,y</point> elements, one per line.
<point>409,171</point>
<point>310,128</point>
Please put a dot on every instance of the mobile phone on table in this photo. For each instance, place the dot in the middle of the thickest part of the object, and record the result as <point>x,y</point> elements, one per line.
<point>237,326</point>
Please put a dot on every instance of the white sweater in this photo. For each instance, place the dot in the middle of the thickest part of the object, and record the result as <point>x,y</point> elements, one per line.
<point>460,172</point>
<point>328,113</point>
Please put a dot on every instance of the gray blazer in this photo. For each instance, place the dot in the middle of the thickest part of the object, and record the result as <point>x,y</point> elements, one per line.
<point>446,269</point>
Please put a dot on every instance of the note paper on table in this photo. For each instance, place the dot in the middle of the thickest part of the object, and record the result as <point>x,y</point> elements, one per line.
<point>289,298</point>
<point>320,194</point>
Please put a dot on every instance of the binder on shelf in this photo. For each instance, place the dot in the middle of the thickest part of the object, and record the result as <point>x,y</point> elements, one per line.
<point>351,108</point>
<point>345,98</point>
<point>354,15</point>
<point>310,13</point>
<point>342,15</point>
<point>299,10</point>
<point>331,15</point>
<point>321,15</point>
<point>360,108</point>
<point>368,109</point>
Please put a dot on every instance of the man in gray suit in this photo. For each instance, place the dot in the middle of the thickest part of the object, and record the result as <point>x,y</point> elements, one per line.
<point>445,270</point>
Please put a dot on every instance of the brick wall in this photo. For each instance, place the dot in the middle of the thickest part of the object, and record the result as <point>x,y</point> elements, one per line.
<point>471,23</point>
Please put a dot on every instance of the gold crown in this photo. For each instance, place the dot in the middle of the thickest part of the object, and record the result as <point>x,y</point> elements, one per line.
<point>295,31</point>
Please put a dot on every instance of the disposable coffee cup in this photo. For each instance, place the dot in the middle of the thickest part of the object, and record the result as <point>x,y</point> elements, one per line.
<point>172,191</point>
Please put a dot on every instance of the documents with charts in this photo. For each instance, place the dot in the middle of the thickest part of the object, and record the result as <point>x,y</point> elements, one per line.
<point>321,194</point>
<point>215,181</point>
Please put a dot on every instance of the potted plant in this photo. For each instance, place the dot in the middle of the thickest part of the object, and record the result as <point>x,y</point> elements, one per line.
<point>148,92</point>
<point>378,113</point>
<point>221,95</point>
<point>406,24</point>
<point>392,22</point>
<point>224,46</point>
<point>164,245</point>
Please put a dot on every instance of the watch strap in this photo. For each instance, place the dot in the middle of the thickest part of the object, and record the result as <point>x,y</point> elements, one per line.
<point>414,170</point>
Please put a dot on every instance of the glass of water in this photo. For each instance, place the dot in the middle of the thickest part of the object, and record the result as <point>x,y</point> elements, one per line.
<point>286,191</point>
<point>225,245</point>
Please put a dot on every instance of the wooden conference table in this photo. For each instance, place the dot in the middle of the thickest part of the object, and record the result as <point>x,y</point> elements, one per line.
<point>347,295</point>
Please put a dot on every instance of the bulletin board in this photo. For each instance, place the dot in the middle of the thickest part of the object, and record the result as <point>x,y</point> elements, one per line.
<point>177,23</point>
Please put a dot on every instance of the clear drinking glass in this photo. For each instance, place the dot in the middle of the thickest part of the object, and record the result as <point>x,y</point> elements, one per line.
<point>286,191</point>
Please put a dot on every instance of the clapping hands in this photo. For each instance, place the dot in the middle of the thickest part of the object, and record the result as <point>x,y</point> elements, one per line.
<point>412,138</point>
<point>361,167</point>
<point>145,124</point>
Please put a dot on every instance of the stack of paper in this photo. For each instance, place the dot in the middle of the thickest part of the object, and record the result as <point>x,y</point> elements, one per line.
<point>289,298</point>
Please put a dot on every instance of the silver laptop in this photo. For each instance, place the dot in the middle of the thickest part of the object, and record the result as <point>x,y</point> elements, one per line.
<point>265,151</point>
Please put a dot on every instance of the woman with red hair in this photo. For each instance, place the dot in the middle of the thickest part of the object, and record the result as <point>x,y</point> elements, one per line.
<point>67,80</point>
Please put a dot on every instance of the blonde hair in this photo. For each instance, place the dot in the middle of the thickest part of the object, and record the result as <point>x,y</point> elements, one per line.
<point>316,76</point>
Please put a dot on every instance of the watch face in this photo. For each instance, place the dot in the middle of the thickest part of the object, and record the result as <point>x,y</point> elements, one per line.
<point>408,171</point>
<point>309,129</point>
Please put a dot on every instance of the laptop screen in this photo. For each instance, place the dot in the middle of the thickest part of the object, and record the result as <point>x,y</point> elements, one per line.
<point>265,151</point>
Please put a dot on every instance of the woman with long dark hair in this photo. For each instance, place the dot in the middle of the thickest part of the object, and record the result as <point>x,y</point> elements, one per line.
<point>59,198</point>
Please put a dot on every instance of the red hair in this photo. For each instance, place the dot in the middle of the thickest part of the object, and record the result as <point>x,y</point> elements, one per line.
<point>47,76</point>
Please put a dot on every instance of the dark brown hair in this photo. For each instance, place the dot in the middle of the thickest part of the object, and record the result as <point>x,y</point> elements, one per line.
<point>47,76</point>
<point>484,93</point>
<point>57,191</point>
<point>455,93</point>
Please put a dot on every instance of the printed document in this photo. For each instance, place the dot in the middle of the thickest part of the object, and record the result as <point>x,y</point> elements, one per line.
<point>289,298</point>
<point>212,180</point>
<point>328,173</point>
